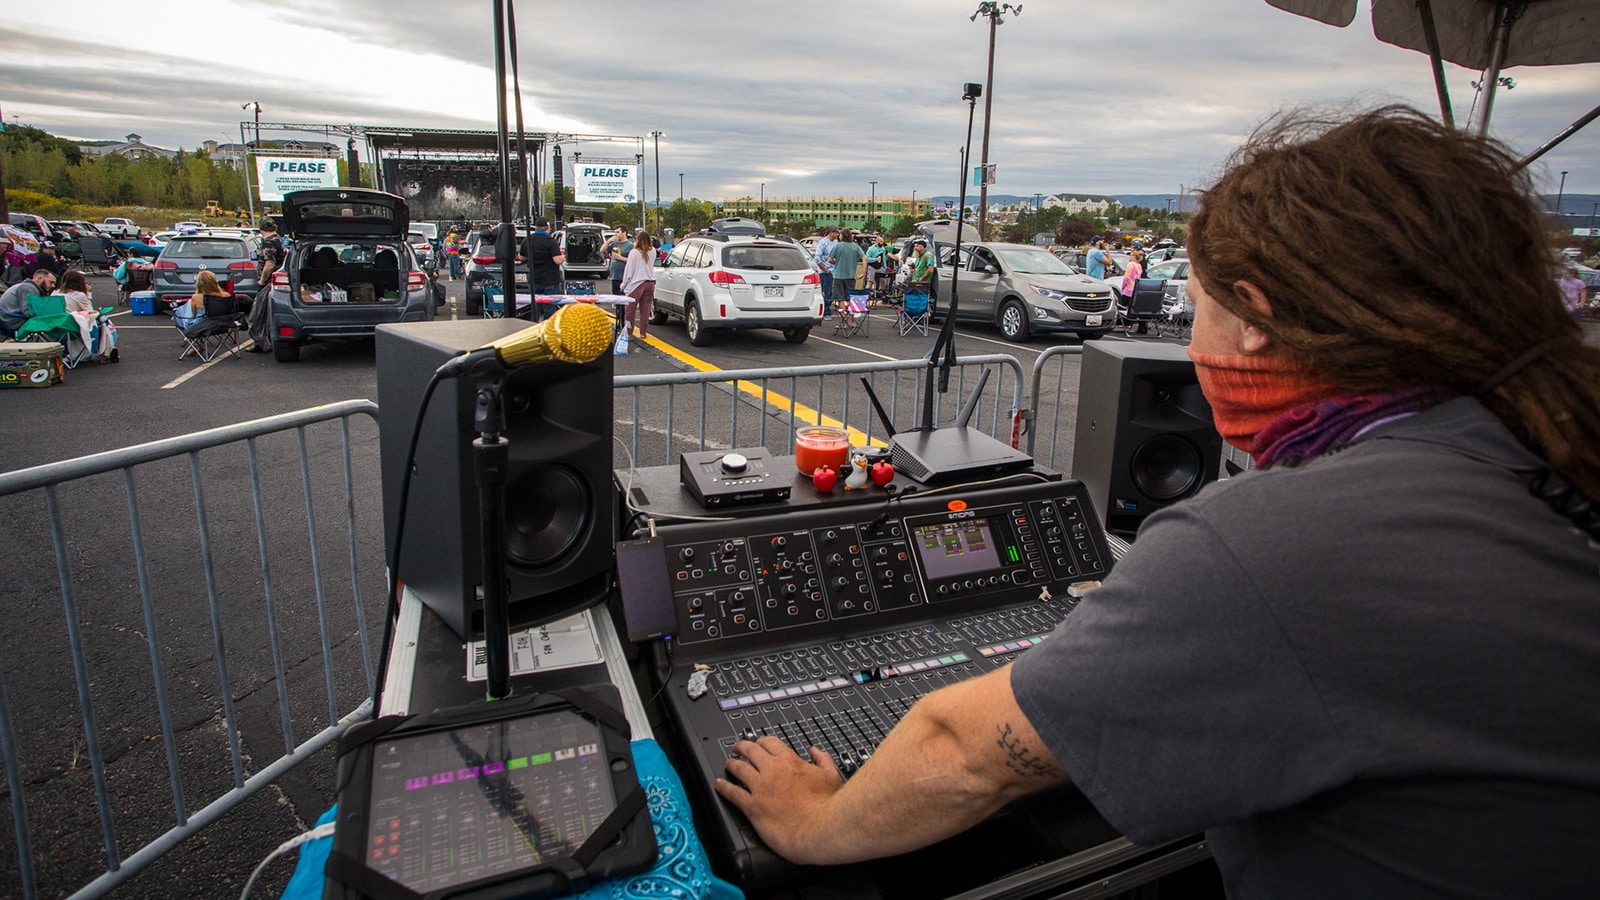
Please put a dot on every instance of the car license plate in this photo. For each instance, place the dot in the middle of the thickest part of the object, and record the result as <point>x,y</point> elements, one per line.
<point>772,290</point>
<point>522,279</point>
<point>1091,320</point>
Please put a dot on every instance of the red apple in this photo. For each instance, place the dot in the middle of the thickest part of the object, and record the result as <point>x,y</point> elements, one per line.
<point>882,473</point>
<point>824,478</point>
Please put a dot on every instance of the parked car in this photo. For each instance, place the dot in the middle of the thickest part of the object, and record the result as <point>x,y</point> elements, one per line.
<point>482,267</point>
<point>35,225</point>
<point>124,229</point>
<point>715,282</point>
<point>230,259</point>
<point>1023,290</point>
<point>348,269</point>
<point>581,242</point>
<point>421,247</point>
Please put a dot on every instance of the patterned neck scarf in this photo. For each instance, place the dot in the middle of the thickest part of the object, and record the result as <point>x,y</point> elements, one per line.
<point>1316,427</point>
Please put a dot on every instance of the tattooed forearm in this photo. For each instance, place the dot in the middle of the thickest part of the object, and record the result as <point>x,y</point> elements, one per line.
<point>1022,760</point>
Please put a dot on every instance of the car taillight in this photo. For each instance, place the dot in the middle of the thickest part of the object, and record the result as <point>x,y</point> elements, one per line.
<point>241,266</point>
<point>416,280</point>
<point>280,279</point>
<point>813,278</point>
<point>721,277</point>
<point>163,264</point>
<point>483,260</point>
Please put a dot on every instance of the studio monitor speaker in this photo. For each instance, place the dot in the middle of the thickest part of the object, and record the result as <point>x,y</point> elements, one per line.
<point>1145,437</point>
<point>559,512</point>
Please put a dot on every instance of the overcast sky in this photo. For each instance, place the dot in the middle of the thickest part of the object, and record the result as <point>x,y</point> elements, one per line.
<point>814,98</point>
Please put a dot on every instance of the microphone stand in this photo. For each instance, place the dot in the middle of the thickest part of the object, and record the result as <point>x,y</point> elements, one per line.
<point>490,453</point>
<point>946,341</point>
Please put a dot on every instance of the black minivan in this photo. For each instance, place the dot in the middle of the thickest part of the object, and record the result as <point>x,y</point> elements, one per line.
<point>349,269</point>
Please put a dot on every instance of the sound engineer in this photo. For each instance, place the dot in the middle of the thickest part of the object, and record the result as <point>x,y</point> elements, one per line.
<point>1366,668</point>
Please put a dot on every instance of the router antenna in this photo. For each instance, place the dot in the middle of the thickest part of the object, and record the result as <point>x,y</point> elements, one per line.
<point>972,402</point>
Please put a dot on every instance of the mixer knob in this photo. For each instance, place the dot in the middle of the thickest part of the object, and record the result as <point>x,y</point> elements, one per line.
<point>738,596</point>
<point>728,547</point>
<point>836,559</point>
<point>780,541</point>
<point>883,552</point>
<point>841,582</point>
<point>786,565</point>
<point>791,589</point>
<point>829,536</point>
<point>686,554</point>
<point>696,602</point>
<point>735,462</point>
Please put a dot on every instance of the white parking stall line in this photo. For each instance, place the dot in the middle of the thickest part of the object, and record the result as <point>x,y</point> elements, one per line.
<point>856,347</point>
<point>204,366</point>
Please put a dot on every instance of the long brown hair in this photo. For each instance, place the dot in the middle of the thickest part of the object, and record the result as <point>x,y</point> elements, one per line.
<point>1398,253</point>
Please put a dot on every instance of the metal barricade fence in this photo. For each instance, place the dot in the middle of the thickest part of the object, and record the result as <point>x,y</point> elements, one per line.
<point>182,626</point>
<point>659,416</point>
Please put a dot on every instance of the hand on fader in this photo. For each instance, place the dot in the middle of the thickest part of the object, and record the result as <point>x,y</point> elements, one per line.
<point>782,795</point>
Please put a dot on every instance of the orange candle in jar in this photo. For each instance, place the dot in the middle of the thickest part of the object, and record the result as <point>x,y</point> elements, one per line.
<point>820,445</point>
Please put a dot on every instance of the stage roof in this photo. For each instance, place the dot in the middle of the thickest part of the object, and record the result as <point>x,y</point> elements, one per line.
<point>398,138</point>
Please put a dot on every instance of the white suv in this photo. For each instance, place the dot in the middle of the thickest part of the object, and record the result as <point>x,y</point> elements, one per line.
<point>723,281</point>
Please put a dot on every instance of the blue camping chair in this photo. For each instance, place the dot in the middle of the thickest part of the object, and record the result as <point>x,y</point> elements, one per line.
<point>914,313</point>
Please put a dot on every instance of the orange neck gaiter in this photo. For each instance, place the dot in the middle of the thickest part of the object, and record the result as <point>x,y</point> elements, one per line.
<point>1248,392</point>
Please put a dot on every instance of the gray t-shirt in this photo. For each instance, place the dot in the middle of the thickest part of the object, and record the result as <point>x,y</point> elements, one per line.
<point>14,304</point>
<point>618,266</point>
<point>1372,675</point>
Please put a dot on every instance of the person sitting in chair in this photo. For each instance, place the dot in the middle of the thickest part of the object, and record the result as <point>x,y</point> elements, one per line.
<point>14,302</point>
<point>192,310</point>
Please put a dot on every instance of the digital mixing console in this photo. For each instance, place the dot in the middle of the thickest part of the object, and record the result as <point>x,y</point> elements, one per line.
<point>823,626</point>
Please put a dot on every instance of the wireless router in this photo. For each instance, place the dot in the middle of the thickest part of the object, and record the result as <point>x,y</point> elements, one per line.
<point>952,454</point>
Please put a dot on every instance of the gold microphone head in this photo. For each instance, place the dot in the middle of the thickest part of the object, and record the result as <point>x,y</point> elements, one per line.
<point>577,333</point>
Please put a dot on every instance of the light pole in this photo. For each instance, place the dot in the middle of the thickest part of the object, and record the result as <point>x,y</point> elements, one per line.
<point>249,195</point>
<point>913,213</point>
<point>872,204</point>
<point>657,136</point>
<point>638,161</point>
<point>763,202</point>
<point>1560,191</point>
<point>991,11</point>
<point>1038,218</point>
<point>680,206</point>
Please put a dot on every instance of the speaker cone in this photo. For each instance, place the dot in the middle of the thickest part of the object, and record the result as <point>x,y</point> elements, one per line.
<point>1166,468</point>
<point>547,510</point>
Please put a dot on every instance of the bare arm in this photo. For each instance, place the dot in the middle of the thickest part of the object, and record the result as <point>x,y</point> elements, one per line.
<point>958,757</point>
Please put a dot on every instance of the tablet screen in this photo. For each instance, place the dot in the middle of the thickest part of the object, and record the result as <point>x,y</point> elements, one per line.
<point>452,807</point>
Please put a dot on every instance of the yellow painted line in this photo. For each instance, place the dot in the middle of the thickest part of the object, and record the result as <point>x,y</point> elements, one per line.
<point>801,412</point>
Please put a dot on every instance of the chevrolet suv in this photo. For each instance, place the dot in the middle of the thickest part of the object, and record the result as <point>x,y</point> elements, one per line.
<point>1022,289</point>
<point>349,269</point>
<point>716,282</point>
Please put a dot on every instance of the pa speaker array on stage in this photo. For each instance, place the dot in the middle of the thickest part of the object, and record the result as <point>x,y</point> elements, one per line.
<point>560,519</point>
<point>1145,437</point>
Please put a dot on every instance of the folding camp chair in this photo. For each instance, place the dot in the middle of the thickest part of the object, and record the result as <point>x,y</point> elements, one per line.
<point>494,302</point>
<point>216,331</point>
<point>50,321</point>
<point>1144,307</point>
<point>1177,317</point>
<point>97,254</point>
<point>853,315</point>
<point>913,312</point>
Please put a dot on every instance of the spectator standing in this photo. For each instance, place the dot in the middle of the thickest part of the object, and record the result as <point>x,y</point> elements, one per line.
<point>639,282</point>
<point>14,309</point>
<point>825,265</point>
<point>616,251</point>
<point>846,257</point>
<point>877,263</point>
<point>452,252</point>
<point>1574,293</point>
<point>1095,262</point>
<point>921,266</point>
<point>545,259</point>
<point>270,258</point>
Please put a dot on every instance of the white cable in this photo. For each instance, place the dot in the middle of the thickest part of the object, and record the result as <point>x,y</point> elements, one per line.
<point>321,831</point>
<point>627,496</point>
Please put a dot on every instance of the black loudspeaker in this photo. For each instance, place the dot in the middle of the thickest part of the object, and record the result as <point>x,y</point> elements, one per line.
<point>560,513</point>
<point>1145,436</point>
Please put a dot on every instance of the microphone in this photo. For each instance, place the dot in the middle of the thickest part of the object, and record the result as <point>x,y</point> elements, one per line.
<point>577,333</point>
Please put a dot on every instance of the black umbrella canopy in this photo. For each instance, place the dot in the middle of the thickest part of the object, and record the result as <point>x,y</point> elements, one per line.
<point>1477,34</point>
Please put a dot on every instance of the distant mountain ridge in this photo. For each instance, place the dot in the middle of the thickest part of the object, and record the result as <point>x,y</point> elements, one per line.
<point>1575,206</point>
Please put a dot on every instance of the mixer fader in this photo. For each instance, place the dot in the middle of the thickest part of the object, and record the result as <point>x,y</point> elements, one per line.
<point>823,626</point>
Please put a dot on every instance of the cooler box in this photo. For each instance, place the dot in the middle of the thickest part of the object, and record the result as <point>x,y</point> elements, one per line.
<point>143,303</point>
<point>30,363</point>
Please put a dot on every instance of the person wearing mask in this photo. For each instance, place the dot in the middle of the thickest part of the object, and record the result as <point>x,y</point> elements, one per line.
<point>639,282</point>
<point>270,259</point>
<point>878,259</point>
<point>615,251</point>
<point>14,309</point>
<point>1313,661</point>
<point>544,257</point>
